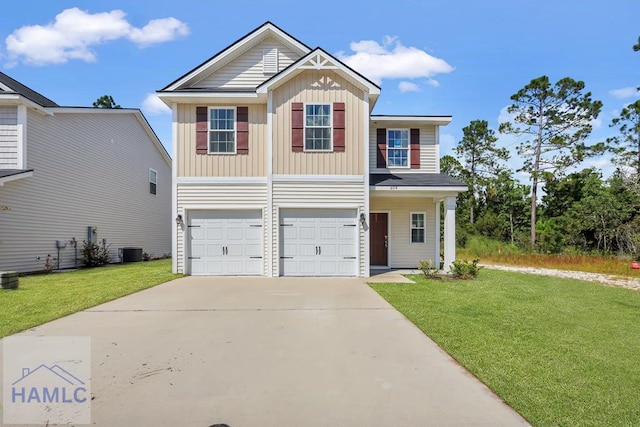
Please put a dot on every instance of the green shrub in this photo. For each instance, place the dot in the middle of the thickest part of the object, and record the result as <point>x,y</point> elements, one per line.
<point>465,269</point>
<point>94,255</point>
<point>429,269</point>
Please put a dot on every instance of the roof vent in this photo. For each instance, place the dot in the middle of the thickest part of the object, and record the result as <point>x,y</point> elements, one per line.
<point>270,60</point>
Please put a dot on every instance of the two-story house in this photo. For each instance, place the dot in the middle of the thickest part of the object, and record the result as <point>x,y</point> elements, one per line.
<point>74,174</point>
<point>279,168</point>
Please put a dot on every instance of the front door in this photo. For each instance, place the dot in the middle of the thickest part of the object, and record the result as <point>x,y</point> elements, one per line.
<point>379,239</point>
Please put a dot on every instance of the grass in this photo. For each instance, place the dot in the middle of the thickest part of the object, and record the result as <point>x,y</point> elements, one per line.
<point>492,252</point>
<point>45,297</point>
<point>559,351</point>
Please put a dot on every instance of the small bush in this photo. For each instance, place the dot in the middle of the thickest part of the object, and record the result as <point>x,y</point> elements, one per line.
<point>95,255</point>
<point>146,256</point>
<point>429,269</point>
<point>465,269</point>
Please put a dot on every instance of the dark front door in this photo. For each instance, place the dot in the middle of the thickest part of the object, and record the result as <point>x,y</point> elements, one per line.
<point>378,239</point>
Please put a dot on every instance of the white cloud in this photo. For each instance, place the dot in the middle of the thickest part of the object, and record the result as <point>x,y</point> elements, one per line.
<point>625,92</point>
<point>158,31</point>
<point>408,87</point>
<point>432,82</point>
<point>392,60</point>
<point>153,106</point>
<point>596,123</point>
<point>74,32</point>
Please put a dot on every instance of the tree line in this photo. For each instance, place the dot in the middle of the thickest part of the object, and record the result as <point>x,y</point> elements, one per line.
<point>581,210</point>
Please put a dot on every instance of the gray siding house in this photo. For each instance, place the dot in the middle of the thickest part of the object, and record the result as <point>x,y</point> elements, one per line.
<point>69,174</point>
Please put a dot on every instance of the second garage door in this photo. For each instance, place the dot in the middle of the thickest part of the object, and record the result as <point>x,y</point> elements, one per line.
<point>318,242</point>
<point>226,243</point>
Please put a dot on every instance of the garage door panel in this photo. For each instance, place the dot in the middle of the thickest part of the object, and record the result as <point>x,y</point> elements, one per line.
<point>225,241</point>
<point>315,242</point>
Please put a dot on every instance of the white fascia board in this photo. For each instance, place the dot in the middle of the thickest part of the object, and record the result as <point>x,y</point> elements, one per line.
<point>217,97</point>
<point>319,178</point>
<point>236,49</point>
<point>431,120</point>
<point>17,99</point>
<point>418,188</point>
<point>222,180</point>
<point>333,64</point>
<point>15,177</point>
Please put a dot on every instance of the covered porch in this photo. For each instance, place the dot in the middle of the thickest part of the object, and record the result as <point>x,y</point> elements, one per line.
<point>405,219</point>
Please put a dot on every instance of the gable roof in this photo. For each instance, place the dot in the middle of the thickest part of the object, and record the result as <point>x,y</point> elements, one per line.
<point>15,87</point>
<point>319,59</point>
<point>235,49</point>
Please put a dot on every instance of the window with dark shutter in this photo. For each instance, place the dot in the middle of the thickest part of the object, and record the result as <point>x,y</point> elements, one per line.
<point>202,130</point>
<point>242,128</point>
<point>415,148</point>
<point>297,126</point>
<point>338,127</point>
<point>381,139</point>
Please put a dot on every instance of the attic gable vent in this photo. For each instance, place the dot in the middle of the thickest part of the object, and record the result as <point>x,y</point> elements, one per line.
<point>270,60</point>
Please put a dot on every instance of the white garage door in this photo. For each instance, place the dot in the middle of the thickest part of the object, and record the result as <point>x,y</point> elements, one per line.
<point>318,242</point>
<point>225,243</point>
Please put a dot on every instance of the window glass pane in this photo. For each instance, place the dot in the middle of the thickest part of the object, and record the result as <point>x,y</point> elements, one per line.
<point>417,220</point>
<point>398,139</point>
<point>222,119</point>
<point>152,176</point>
<point>397,157</point>
<point>417,235</point>
<point>152,188</point>
<point>317,115</point>
<point>222,142</point>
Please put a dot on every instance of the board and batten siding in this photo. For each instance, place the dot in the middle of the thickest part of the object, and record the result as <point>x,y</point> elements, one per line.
<point>429,151</point>
<point>403,253</point>
<point>246,71</point>
<point>318,86</point>
<point>208,197</point>
<point>317,195</point>
<point>8,137</point>
<point>198,165</point>
<point>89,170</point>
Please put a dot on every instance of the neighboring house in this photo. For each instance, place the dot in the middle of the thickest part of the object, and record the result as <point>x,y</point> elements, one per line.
<point>280,170</point>
<point>65,169</point>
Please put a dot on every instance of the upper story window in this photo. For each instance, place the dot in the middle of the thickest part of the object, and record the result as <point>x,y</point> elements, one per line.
<point>317,133</point>
<point>398,148</point>
<point>222,130</point>
<point>153,181</point>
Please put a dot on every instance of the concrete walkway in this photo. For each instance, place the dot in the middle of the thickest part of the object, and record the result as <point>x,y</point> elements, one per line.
<point>271,352</point>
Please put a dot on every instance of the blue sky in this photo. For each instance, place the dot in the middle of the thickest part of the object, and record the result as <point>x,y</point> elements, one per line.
<point>463,58</point>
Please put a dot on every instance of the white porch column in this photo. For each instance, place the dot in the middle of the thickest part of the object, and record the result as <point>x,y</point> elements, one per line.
<point>449,232</point>
<point>436,256</point>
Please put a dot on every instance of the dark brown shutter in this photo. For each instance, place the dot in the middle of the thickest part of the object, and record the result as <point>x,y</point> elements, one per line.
<point>297,126</point>
<point>242,130</point>
<point>202,130</point>
<point>415,148</point>
<point>338,127</point>
<point>381,138</point>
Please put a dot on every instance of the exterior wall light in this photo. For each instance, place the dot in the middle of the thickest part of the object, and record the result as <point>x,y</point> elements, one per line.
<point>179,220</point>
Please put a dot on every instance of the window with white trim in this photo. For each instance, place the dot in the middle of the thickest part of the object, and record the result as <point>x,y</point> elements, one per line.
<point>222,130</point>
<point>418,227</point>
<point>153,181</point>
<point>398,148</point>
<point>317,127</point>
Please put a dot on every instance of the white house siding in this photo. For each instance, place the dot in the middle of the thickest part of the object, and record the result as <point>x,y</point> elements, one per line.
<point>218,196</point>
<point>246,70</point>
<point>429,152</point>
<point>320,195</point>
<point>8,137</point>
<point>90,169</point>
<point>403,253</point>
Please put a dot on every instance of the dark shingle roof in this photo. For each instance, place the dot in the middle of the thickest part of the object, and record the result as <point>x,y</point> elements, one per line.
<point>28,93</point>
<point>9,172</point>
<point>415,180</point>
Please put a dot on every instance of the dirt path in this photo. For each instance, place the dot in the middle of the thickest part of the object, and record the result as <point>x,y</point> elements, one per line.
<point>605,279</point>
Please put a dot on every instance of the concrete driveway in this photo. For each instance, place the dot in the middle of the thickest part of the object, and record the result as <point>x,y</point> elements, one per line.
<point>271,352</point>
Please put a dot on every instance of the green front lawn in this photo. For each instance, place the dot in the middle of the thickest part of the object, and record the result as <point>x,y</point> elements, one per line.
<point>559,351</point>
<point>45,297</point>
